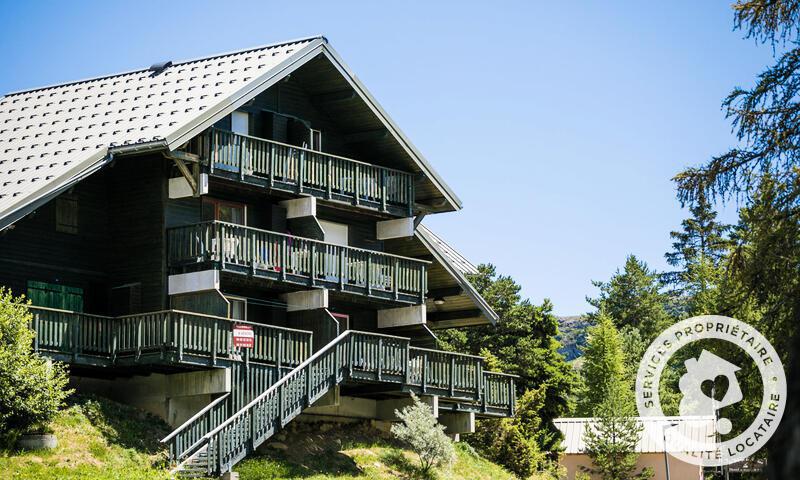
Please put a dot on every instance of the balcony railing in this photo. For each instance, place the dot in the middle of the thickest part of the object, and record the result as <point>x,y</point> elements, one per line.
<point>301,170</point>
<point>169,335</point>
<point>298,260</point>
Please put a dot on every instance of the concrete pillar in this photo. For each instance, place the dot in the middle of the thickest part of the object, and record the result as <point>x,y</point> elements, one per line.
<point>402,317</point>
<point>300,207</point>
<point>306,300</point>
<point>386,408</point>
<point>230,476</point>
<point>397,228</point>
<point>455,423</point>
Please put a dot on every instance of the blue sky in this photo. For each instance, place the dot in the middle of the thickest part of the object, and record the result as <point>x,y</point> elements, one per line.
<point>559,124</point>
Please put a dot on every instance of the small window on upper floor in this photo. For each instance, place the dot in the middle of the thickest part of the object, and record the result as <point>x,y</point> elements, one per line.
<point>231,212</point>
<point>240,123</point>
<point>67,214</point>
<point>315,140</point>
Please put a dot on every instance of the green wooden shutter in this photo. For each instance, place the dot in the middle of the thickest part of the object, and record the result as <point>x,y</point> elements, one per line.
<point>53,295</point>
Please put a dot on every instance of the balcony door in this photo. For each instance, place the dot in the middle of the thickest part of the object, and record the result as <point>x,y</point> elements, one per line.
<point>229,212</point>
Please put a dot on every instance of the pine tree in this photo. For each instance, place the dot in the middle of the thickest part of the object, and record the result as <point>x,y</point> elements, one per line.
<point>603,363</point>
<point>608,397</point>
<point>523,343</point>
<point>632,297</point>
<point>698,252</point>
<point>611,438</point>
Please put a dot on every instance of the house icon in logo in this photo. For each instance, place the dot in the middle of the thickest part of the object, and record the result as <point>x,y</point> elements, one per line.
<point>708,367</point>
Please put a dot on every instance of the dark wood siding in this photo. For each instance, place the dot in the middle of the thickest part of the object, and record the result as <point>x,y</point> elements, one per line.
<point>137,200</point>
<point>33,249</point>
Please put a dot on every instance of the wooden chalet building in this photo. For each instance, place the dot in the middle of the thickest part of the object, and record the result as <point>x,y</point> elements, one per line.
<point>232,241</point>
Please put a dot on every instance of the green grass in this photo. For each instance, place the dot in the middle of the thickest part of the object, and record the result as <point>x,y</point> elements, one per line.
<point>102,440</point>
<point>97,440</point>
<point>356,452</point>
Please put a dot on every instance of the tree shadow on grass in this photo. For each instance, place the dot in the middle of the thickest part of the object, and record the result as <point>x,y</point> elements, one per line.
<point>396,460</point>
<point>279,465</point>
<point>123,425</point>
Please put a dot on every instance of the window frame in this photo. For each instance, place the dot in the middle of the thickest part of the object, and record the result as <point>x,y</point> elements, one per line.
<point>235,298</point>
<point>217,203</point>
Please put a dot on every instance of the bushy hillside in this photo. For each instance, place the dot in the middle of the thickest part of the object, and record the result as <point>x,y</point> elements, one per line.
<point>97,439</point>
<point>572,335</point>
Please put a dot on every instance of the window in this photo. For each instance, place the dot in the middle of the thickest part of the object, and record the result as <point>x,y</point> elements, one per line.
<point>67,215</point>
<point>53,295</point>
<point>237,308</point>
<point>231,212</point>
<point>316,140</point>
<point>240,123</point>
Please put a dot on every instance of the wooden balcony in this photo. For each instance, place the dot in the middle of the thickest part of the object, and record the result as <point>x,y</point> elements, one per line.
<point>169,337</point>
<point>297,260</point>
<point>293,169</point>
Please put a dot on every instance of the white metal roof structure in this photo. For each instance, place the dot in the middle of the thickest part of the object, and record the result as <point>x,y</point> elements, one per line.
<point>457,266</point>
<point>51,137</point>
<point>651,440</point>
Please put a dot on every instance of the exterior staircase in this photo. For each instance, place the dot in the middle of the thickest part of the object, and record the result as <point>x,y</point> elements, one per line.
<point>216,439</point>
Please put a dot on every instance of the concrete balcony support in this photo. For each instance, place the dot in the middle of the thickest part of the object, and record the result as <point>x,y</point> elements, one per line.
<point>306,300</point>
<point>386,408</point>
<point>457,423</point>
<point>398,228</point>
<point>402,317</point>
<point>201,281</point>
<point>173,397</point>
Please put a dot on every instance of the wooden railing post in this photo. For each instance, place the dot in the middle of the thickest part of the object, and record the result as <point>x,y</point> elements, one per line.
<point>367,268</point>
<point>342,268</point>
<point>478,376</point>
<point>214,340</point>
<point>380,357</point>
<point>253,252</point>
<point>284,259</point>
<point>179,337</point>
<point>383,189</point>
<point>301,171</point>
<point>424,372</point>
<point>242,146</point>
<point>313,256</point>
<point>279,360</point>
<point>423,287</point>
<point>452,376</point>
<point>212,150</point>
<point>271,165</point>
<point>395,279</point>
<point>357,181</point>
<point>407,362</point>
<point>329,189</point>
<point>511,397</point>
<point>410,196</point>
<point>138,338</point>
<point>37,332</point>
<point>221,245</point>
<point>75,336</point>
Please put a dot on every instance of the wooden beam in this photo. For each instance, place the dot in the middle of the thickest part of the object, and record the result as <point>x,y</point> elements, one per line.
<point>186,174</point>
<point>334,97</point>
<point>454,315</point>
<point>366,136</point>
<point>445,292</point>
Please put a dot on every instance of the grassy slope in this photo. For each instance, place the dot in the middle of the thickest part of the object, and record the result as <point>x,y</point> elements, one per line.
<point>97,439</point>
<point>355,452</point>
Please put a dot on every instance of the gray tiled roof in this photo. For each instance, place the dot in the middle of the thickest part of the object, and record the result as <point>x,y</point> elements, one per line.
<point>50,135</point>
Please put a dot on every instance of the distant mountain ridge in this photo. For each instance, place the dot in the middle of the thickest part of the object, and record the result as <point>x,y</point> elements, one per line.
<point>572,335</point>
